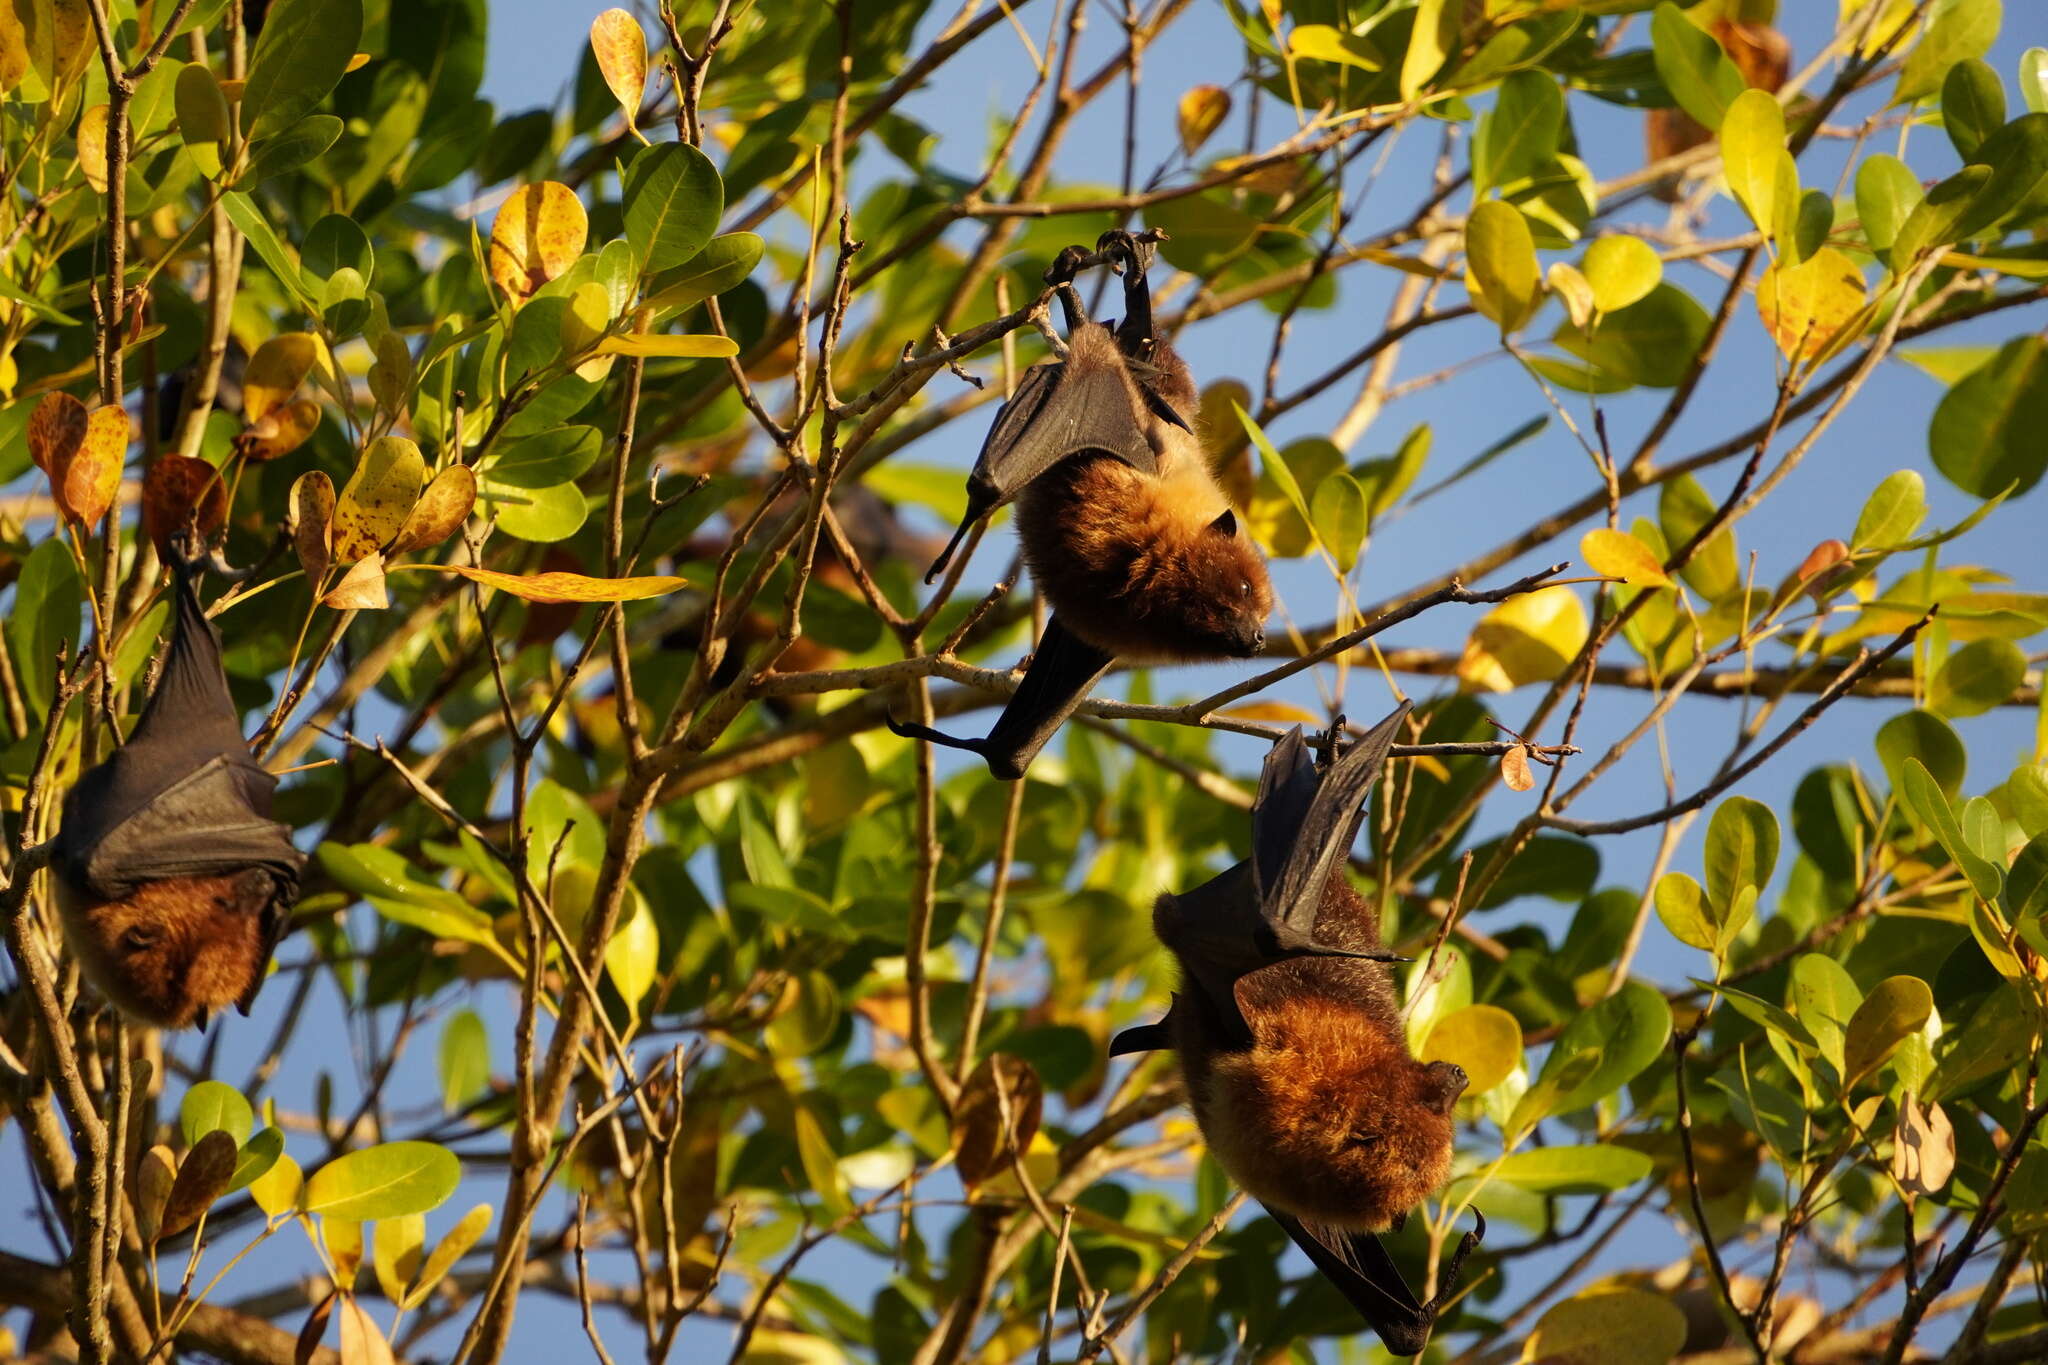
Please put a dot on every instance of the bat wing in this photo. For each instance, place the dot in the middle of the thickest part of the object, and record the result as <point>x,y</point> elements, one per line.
<point>1063,670</point>
<point>1305,833</point>
<point>181,797</point>
<point>1059,410</point>
<point>1362,1271</point>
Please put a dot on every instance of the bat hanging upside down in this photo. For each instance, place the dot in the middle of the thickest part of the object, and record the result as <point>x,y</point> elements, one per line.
<point>1126,532</point>
<point>173,882</point>
<point>1290,1038</point>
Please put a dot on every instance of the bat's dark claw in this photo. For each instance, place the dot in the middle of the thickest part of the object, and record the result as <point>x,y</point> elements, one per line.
<point>1449,1283</point>
<point>1066,265</point>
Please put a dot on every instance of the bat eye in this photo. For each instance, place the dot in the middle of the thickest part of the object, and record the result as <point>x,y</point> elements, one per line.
<point>1357,1139</point>
<point>1244,587</point>
<point>138,939</point>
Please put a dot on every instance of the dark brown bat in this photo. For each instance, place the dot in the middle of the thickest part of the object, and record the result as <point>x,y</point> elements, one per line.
<point>1125,529</point>
<point>173,882</point>
<point>1289,1035</point>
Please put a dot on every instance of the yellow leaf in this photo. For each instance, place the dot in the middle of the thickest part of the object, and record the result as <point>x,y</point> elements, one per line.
<point>1568,284</point>
<point>440,511</point>
<point>1202,111</point>
<point>1617,554</point>
<point>1434,37</point>
<point>1805,306</point>
<point>452,1247</point>
<point>357,62</point>
<point>1607,1326</point>
<point>361,588</point>
<point>1621,270</point>
<point>538,234</point>
<point>1484,1039</point>
<point>685,347</point>
<point>1525,639</point>
<point>397,1246</point>
<point>1752,142</point>
<point>278,432</point>
<point>380,493</point>
<point>620,47</point>
<point>584,320</point>
<point>312,504</point>
<point>344,1239</point>
<point>1500,253</point>
<point>275,372</point>
<point>276,1191</point>
<point>1275,711</point>
<point>556,586</point>
<point>91,480</point>
<point>92,146</point>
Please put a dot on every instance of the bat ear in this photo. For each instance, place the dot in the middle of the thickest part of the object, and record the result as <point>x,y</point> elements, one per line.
<point>1446,1082</point>
<point>1225,524</point>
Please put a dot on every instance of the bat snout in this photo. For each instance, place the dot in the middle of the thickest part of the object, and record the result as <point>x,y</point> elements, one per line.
<point>1250,641</point>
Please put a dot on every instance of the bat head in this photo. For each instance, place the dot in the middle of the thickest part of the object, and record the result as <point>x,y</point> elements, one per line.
<point>174,951</point>
<point>1224,596</point>
<point>1327,1117</point>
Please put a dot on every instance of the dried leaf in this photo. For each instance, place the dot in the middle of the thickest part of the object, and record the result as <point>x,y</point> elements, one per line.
<point>204,1175</point>
<point>89,482</point>
<point>440,511</point>
<point>1924,1147</point>
<point>154,1176</point>
<point>562,587</point>
<point>278,432</point>
<point>984,1145</point>
<point>1821,567</point>
<point>178,492</point>
<point>379,495</point>
<point>275,372</point>
<point>314,1328</point>
<point>361,1342</point>
<point>312,504</point>
<point>619,45</point>
<point>1202,111</point>
<point>92,147</point>
<point>361,588</point>
<point>1514,770</point>
<point>56,429</point>
<point>538,234</point>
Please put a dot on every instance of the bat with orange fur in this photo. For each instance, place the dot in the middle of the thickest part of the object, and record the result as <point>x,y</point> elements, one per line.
<point>173,882</point>
<point>1125,529</point>
<point>1289,1036</point>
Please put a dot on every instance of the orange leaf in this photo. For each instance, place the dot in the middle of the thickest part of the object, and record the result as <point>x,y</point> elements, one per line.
<point>562,587</point>
<point>538,234</point>
<point>357,62</point>
<point>620,47</point>
<point>56,429</point>
<point>361,588</point>
<point>312,503</point>
<point>278,432</point>
<point>1275,711</point>
<point>1514,770</point>
<point>440,511</point>
<point>91,480</point>
<point>178,492</point>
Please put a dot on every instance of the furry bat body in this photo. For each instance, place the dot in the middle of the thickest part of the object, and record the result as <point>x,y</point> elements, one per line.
<point>1126,531</point>
<point>173,883</point>
<point>1289,1034</point>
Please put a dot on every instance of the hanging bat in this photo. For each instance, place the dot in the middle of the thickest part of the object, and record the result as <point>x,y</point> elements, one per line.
<point>1124,528</point>
<point>1289,1035</point>
<point>173,882</point>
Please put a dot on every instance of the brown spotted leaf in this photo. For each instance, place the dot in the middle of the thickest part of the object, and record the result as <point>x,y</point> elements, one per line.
<point>180,491</point>
<point>1806,305</point>
<point>88,484</point>
<point>204,1176</point>
<point>440,511</point>
<point>312,505</point>
<point>538,234</point>
<point>361,588</point>
<point>619,45</point>
<point>379,494</point>
<point>996,1117</point>
<point>56,429</point>
<point>154,1176</point>
<point>278,432</point>
<point>275,372</point>
<point>562,587</point>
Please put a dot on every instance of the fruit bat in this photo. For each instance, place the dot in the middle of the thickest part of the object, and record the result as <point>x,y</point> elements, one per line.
<point>1289,1035</point>
<point>1124,528</point>
<point>173,882</point>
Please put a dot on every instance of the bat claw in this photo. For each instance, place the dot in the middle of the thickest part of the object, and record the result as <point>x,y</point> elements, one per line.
<point>1449,1285</point>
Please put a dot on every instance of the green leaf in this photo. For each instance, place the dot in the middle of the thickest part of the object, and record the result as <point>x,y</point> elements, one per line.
<point>2026,882</point>
<point>1996,1042</point>
<point>465,1059</point>
<point>243,213</point>
<point>1574,1170</point>
<point>1623,1033</point>
<point>1752,145</point>
<point>1936,221</point>
<point>1823,997</point>
<point>1892,513</point>
<point>2034,79</point>
<point>1764,1014</point>
<point>673,200</point>
<point>1502,255</point>
<point>1684,508</point>
<point>1887,193</point>
<point>336,243</point>
<point>389,1180</point>
<point>2018,157</point>
<point>633,957</point>
<point>202,111</point>
<point>292,148</point>
<point>47,601</point>
<point>212,1105</point>
<point>256,1158</point>
<point>1693,67</point>
<point>1520,134</point>
<point>1977,677</point>
<point>820,1162</point>
<point>1972,105</point>
<point>1484,1039</point>
<point>1651,342</point>
<point>1960,30</point>
<point>1925,798</point>
<point>1742,849</point>
<point>1986,432</point>
<point>1338,513</point>
<point>302,53</point>
<point>1813,221</point>
<point>724,262</point>
<point>1895,1010</point>
<point>1682,907</point>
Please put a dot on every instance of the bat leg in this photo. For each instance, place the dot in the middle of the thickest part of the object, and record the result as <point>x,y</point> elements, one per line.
<point>1449,1281</point>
